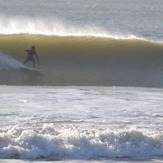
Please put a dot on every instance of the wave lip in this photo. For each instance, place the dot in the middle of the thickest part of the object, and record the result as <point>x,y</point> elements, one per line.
<point>56,27</point>
<point>50,143</point>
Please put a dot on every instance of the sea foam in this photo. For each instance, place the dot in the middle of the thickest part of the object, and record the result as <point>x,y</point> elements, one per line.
<point>48,141</point>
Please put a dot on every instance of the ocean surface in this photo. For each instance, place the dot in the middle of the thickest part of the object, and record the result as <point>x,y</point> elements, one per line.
<point>98,94</point>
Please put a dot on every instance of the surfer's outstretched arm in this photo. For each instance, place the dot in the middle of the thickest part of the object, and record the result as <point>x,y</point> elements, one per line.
<point>37,57</point>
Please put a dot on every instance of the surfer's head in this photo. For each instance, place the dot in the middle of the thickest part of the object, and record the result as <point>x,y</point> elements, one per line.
<point>33,47</point>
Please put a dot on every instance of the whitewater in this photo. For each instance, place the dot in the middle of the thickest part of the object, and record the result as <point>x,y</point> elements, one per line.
<point>98,98</point>
<point>81,123</point>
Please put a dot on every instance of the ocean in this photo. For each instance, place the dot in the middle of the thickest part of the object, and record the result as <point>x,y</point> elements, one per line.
<point>98,95</point>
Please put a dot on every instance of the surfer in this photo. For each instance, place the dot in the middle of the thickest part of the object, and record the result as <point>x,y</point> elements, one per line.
<point>31,52</point>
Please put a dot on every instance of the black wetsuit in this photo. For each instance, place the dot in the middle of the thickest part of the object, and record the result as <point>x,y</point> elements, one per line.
<point>30,56</point>
<point>31,53</point>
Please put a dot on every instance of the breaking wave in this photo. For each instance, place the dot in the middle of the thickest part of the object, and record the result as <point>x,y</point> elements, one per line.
<point>83,61</point>
<point>49,143</point>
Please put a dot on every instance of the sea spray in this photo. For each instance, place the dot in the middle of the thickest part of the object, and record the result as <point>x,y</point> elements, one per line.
<point>9,63</point>
<point>55,27</point>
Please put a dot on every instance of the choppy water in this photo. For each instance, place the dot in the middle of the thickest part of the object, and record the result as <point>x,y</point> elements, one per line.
<point>81,123</point>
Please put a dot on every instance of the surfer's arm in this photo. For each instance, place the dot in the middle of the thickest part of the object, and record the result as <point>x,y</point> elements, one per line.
<point>27,50</point>
<point>36,56</point>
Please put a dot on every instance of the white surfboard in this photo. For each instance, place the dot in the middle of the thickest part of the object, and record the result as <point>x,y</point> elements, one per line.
<point>31,69</point>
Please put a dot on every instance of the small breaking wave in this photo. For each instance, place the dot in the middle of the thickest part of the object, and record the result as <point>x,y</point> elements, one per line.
<point>48,142</point>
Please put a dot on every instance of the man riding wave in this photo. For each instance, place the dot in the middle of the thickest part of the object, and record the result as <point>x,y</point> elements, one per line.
<point>31,54</point>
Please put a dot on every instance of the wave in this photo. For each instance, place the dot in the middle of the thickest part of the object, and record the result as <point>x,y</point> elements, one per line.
<point>83,61</point>
<point>49,143</point>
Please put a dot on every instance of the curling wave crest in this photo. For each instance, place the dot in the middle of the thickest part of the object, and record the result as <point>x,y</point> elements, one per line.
<point>20,25</point>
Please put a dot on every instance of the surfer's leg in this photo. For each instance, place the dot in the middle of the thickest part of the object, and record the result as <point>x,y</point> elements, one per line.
<point>33,62</point>
<point>25,61</point>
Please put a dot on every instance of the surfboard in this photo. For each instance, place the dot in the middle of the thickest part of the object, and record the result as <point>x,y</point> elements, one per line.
<point>31,69</point>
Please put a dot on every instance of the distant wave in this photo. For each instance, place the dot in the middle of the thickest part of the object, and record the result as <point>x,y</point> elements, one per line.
<point>83,61</point>
<point>48,142</point>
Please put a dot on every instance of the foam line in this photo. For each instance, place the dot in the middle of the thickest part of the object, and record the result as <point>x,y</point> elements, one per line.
<point>49,142</point>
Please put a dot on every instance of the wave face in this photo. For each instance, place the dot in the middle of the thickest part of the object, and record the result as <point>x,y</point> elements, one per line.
<point>49,143</point>
<point>82,61</point>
